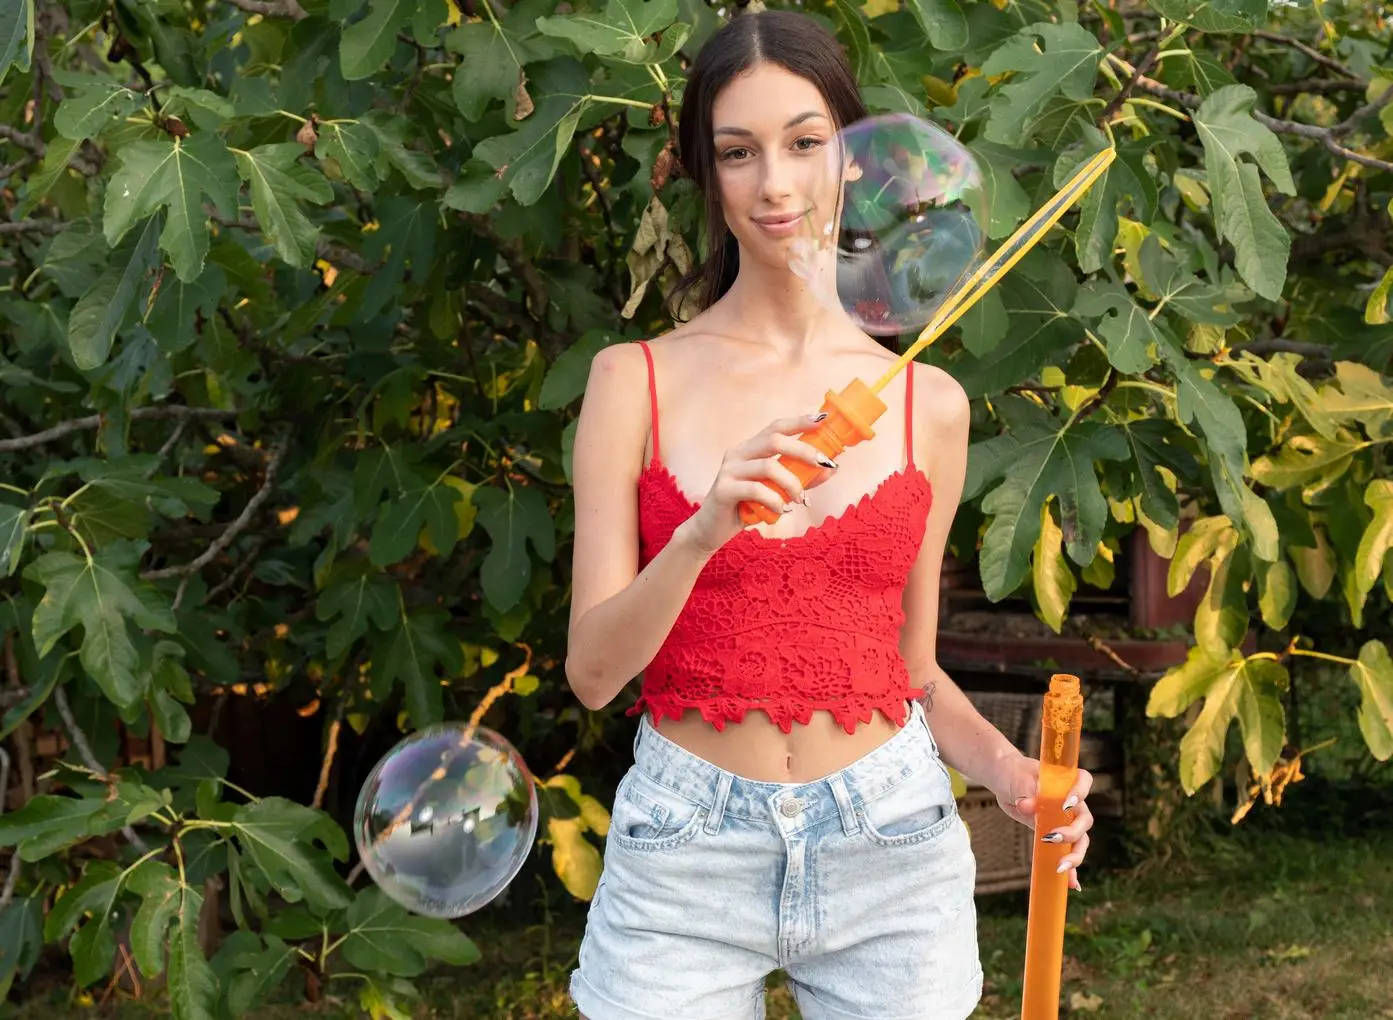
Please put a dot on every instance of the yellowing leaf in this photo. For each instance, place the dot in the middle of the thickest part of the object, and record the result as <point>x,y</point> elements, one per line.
<point>576,860</point>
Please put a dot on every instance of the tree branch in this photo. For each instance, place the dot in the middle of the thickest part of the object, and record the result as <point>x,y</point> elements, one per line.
<point>239,525</point>
<point>93,421</point>
<point>25,141</point>
<point>1310,51</point>
<point>31,226</point>
<point>1279,345</point>
<point>84,750</point>
<point>1116,103</point>
<point>1316,86</point>
<point>1323,135</point>
<point>274,9</point>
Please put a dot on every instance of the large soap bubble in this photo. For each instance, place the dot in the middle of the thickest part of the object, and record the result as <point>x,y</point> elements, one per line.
<point>906,224</point>
<point>446,819</point>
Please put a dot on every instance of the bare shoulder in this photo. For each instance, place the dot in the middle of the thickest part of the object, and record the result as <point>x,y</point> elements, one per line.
<point>614,412</point>
<point>940,402</point>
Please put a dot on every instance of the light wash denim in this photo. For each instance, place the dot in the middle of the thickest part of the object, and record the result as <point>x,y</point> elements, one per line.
<point>859,885</point>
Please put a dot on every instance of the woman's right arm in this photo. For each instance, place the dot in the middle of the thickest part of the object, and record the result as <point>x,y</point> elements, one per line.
<point>620,616</point>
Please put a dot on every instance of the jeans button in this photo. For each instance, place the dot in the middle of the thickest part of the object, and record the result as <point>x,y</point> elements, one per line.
<point>791,807</point>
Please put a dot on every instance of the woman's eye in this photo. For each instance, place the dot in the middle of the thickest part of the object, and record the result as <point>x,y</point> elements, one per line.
<point>735,153</point>
<point>807,143</point>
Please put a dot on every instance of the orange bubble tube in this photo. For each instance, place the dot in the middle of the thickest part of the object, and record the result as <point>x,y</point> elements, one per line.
<point>1061,725</point>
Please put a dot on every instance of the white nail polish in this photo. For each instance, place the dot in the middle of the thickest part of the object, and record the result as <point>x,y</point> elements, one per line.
<point>1070,803</point>
<point>1063,867</point>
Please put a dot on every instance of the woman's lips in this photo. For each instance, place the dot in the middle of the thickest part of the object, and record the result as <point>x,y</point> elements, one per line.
<point>783,225</point>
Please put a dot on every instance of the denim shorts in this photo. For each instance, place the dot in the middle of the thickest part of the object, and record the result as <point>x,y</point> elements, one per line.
<point>858,885</point>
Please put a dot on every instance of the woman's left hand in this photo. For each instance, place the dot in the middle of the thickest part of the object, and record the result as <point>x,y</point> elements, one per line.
<point>1015,793</point>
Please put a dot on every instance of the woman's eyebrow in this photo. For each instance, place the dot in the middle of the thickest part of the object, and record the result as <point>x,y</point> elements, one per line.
<point>747,133</point>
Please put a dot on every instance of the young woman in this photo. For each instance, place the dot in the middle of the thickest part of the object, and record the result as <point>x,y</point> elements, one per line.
<point>788,806</point>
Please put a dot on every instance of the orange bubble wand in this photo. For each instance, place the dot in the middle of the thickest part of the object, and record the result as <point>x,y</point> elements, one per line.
<point>852,412</point>
<point>1060,729</point>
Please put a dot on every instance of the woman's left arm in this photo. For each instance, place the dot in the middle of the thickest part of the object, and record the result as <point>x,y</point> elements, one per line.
<point>966,740</point>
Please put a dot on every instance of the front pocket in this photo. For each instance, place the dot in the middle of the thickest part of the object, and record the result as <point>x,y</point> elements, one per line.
<point>917,810</point>
<point>649,817</point>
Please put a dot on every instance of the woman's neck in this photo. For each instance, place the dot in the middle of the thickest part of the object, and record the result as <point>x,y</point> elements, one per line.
<point>778,309</point>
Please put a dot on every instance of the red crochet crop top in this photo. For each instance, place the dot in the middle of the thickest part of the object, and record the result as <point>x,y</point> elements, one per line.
<point>789,626</point>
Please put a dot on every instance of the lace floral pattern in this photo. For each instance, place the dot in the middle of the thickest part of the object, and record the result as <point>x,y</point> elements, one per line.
<point>789,626</point>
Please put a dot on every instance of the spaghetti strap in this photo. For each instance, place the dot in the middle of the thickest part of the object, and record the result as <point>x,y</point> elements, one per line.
<point>909,415</point>
<point>652,396</point>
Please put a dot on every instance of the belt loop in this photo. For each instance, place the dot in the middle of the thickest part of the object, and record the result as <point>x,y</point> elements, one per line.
<point>924,720</point>
<point>844,806</point>
<point>638,736</point>
<point>718,805</point>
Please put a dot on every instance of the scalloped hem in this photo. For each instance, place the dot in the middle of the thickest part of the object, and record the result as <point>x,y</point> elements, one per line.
<point>847,716</point>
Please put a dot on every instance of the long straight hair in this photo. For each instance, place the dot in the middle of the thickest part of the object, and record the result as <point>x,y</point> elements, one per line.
<point>794,42</point>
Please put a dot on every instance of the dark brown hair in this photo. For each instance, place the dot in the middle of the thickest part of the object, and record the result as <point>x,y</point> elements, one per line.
<point>798,44</point>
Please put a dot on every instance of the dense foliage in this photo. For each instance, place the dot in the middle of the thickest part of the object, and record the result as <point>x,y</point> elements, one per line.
<point>297,299</point>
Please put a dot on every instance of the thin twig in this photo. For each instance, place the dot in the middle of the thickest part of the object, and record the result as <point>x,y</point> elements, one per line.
<point>168,445</point>
<point>1310,51</point>
<point>1116,102</point>
<point>247,564</point>
<point>31,227</point>
<point>1277,345</point>
<point>234,529</point>
<point>1317,86</point>
<point>84,750</point>
<point>330,751</point>
<point>93,421</point>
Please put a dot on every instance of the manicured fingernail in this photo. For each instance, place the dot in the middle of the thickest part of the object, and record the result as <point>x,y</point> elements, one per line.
<point>820,416</point>
<point>1063,867</point>
<point>788,508</point>
<point>1069,804</point>
<point>806,500</point>
<point>826,461</point>
<point>1053,837</point>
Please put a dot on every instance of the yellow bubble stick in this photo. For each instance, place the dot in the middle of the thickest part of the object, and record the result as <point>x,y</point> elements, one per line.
<point>852,412</point>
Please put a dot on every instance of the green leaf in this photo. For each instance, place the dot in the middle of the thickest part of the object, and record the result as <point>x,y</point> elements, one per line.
<point>90,104</point>
<point>1310,462</point>
<point>399,524</point>
<point>1373,674</point>
<point>1037,296</point>
<point>1126,178</point>
<point>356,604</point>
<point>162,895</point>
<point>384,938</point>
<point>1065,59</point>
<point>193,987</point>
<point>1008,201</point>
<point>1363,398</point>
<point>250,989</point>
<point>1183,685</point>
<point>353,148</point>
<point>494,54</point>
<point>621,33</point>
<point>1155,445</point>
<point>47,818</point>
<point>564,382</point>
<point>943,22</point>
<point>1201,401</point>
<point>1130,333</point>
<point>99,594</point>
<point>13,522</point>
<point>513,517</point>
<point>93,946</point>
<point>1215,15</point>
<point>1378,536</point>
<point>527,158</point>
<point>277,181</point>
<point>172,174</point>
<point>1227,130</point>
<point>100,311</point>
<point>367,44</point>
<point>1195,70</point>
<point>1376,308</point>
<point>1046,461</point>
<point>1176,288</point>
<point>1221,619</point>
<point>21,938</point>
<point>1051,578</point>
<point>412,653</point>
<point>1276,593</point>
<point>1280,376</point>
<point>1315,565</point>
<point>279,836</point>
<point>1207,537</point>
<point>1247,690</point>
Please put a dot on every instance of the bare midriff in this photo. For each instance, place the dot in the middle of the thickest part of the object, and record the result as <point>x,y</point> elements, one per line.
<point>757,749</point>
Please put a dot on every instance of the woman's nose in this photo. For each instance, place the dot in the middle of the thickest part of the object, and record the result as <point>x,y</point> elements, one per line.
<point>775,182</point>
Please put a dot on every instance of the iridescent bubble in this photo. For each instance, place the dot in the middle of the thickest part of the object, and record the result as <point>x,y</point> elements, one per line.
<point>900,205</point>
<point>446,819</point>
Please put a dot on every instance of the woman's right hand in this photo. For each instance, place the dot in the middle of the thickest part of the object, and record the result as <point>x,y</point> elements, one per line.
<point>745,469</point>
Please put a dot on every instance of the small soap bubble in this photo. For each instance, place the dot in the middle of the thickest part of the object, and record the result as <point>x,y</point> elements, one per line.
<point>446,819</point>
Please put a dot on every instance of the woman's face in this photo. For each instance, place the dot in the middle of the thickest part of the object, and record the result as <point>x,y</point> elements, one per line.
<point>773,134</point>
